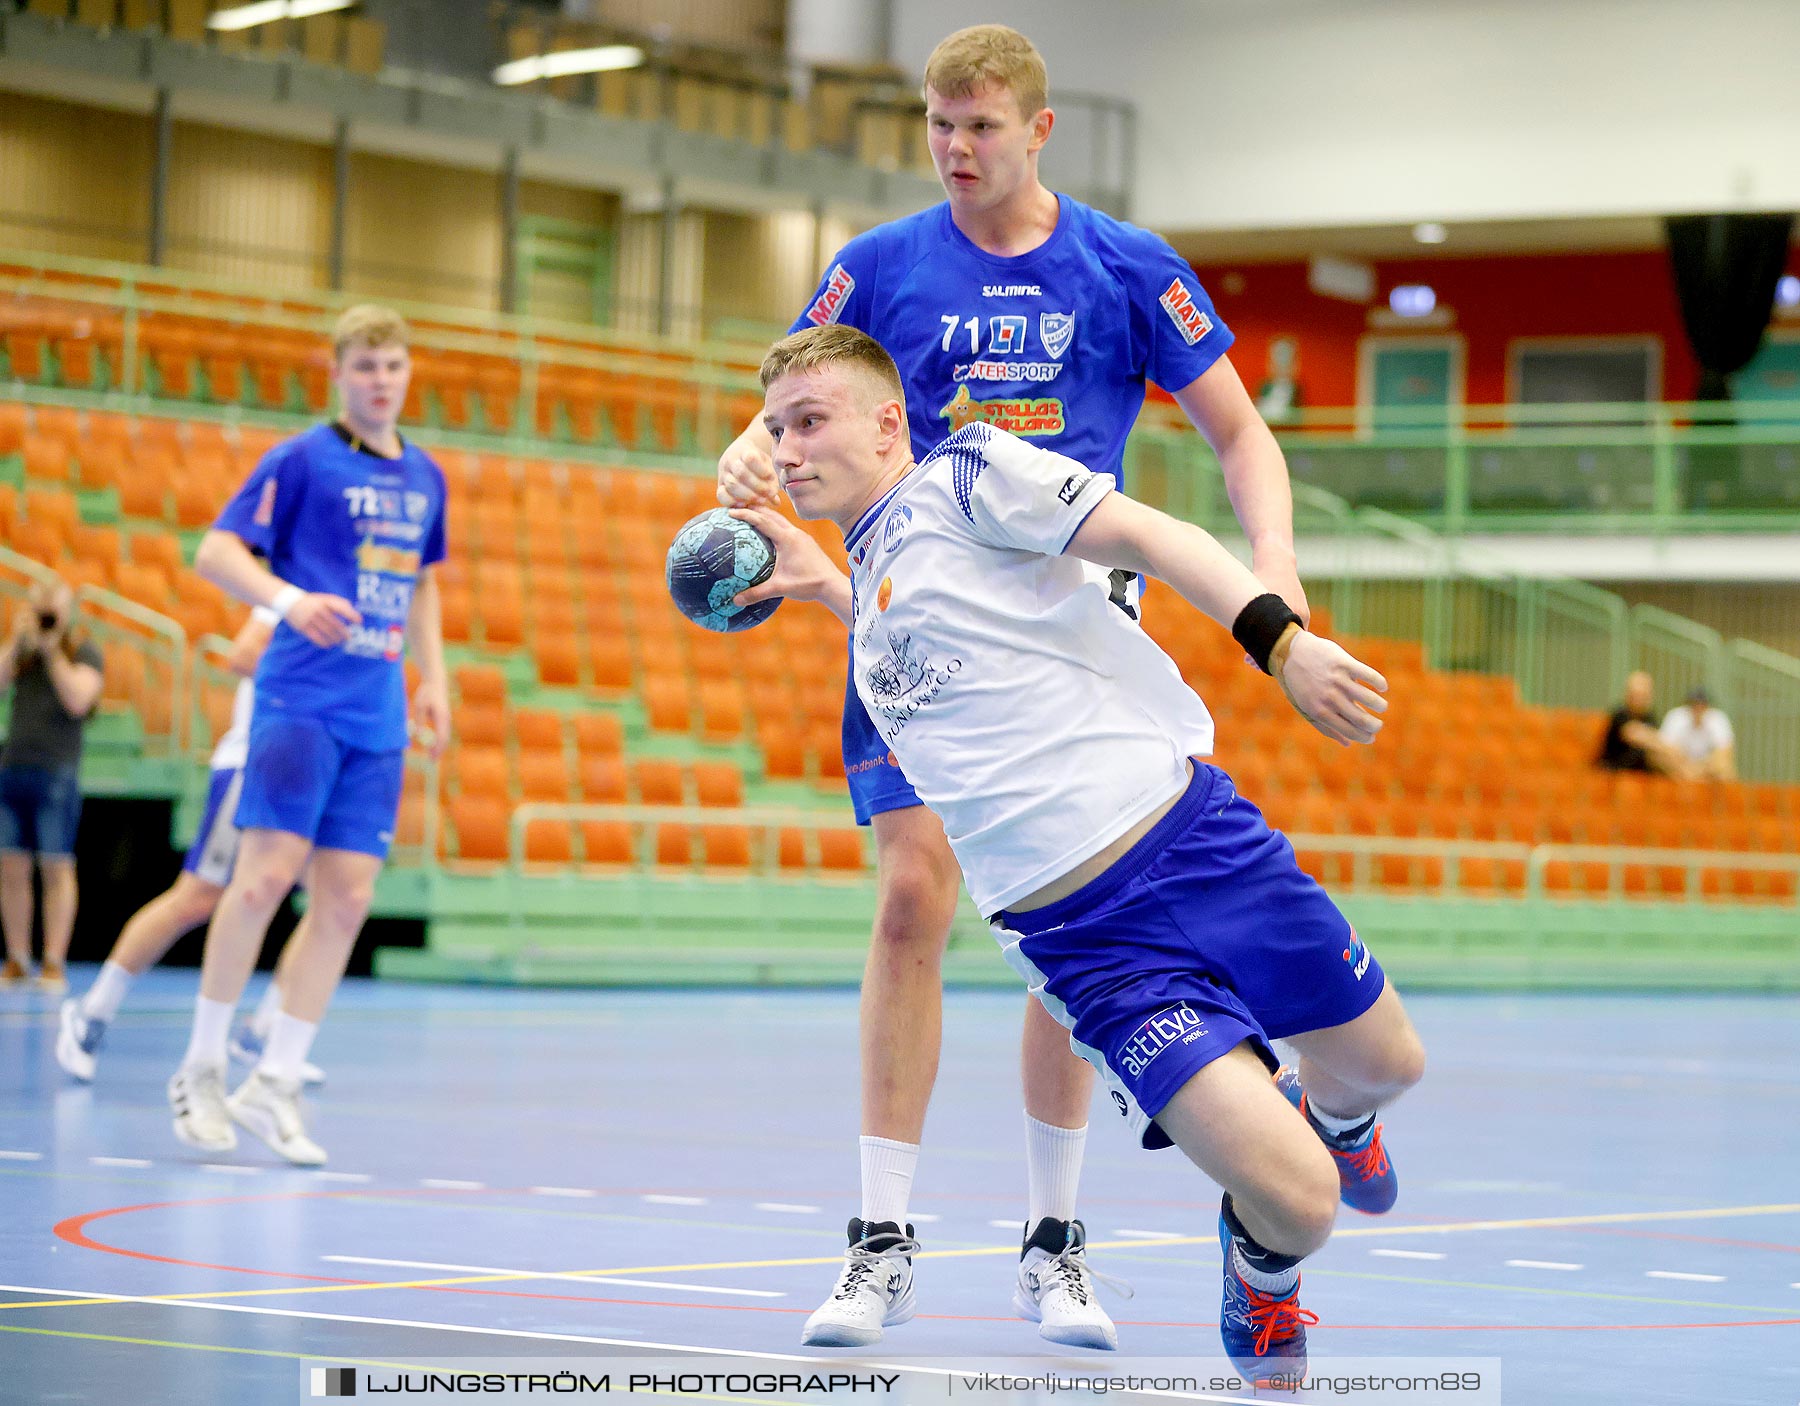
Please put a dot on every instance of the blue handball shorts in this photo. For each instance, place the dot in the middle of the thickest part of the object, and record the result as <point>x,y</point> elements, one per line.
<point>40,810</point>
<point>213,855</point>
<point>301,779</point>
<point>1205,934</point>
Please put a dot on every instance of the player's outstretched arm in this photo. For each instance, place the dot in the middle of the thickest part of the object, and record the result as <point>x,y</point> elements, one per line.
<point>1335,692</point>
<point>802,570</point>
<point>226,560</point>
<point>747,471</point>
<point>1256,475</point>
<point>248,644</point>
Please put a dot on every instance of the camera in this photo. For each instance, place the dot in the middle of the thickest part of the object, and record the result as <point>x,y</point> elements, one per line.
<point>48,619</point>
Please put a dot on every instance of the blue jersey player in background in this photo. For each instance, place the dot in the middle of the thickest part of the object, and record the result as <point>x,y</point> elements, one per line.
<point>350,519</point>
<point>1030,311</point>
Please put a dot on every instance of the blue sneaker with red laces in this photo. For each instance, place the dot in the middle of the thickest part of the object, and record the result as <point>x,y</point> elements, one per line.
<point>1366,1178</point>
<point>1264,1334</point>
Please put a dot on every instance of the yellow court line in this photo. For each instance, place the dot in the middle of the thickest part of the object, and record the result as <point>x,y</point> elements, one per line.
<point>1526,1223</point>
<point>215,1347</point>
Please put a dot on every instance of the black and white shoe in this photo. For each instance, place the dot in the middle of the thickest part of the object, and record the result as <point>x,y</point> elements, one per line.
<point>874,1290</point>
<point>1055,1289</point>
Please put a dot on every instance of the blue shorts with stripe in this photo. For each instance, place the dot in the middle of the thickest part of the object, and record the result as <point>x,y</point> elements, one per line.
<point>876,782</point>
<point>301,779</point>
<point>213,855</point>
<point>1205,934</point>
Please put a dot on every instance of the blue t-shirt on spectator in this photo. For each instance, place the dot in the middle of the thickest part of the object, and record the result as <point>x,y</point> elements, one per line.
<point>333,517</point>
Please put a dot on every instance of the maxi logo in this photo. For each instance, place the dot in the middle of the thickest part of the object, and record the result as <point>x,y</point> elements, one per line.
<point>1006,334</point>
<point>394,561</point>
<point>1189,320</point>
<point>1026,415</point>
<point>829,305</point>
<point>1178,1025</point>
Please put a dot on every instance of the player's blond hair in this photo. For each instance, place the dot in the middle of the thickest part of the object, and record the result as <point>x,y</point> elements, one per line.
<point>368,325</point>
<point>971,59</point>
<point>833,345</point>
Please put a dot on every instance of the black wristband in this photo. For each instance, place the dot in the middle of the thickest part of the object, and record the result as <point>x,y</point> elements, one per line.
<point>1260,625</point>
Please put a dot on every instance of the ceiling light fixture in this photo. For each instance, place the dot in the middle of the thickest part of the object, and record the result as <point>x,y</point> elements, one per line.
<point>268,11</point>
<point>1431,232</point>
<point>566,61</point>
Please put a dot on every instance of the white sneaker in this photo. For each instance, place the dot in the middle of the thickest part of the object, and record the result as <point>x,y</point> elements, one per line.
<point>874,1291</point>
<point>246,1047</point>
<point>197,1099</point>
<point>77,1041</point>
<point>1055,1288</point>
<point>270,1108</point>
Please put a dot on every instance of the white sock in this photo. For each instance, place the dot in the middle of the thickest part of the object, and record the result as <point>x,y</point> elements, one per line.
<point>290,1041</point>
<point>1333,1124</point>
<point>1280,1282</point>
<point>109,988</point>
<point>212,1025</point>
<point>1052,1170</point>
<point>266,1010</point>
<point>887,1178</point>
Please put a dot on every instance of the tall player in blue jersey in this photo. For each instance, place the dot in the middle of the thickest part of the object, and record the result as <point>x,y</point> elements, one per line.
<point>1028,310</point>
<point>350,519</point>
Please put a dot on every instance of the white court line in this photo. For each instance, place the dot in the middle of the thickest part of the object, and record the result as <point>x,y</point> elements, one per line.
<point>1126,1234</point>
<point>21,1156</point>
<point>343,1176</point>
<point>562,1191</point>
<point>573,1278</point>
<point>1542,1264</point>
<point>1007,1224</point>
<point>924,1218</point>
<point>1409,1254</point>
<point>1690,1278</point>
<point>121,1161</point>
<point>231,1167</point>
<point>266,1311</point>
<point>656,1200</point>
<point>787,1208</point>
<point>448,1184</point>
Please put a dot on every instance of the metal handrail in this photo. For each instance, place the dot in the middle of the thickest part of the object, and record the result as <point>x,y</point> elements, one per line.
<point>1538,857</point>
<point>574,812</point>
<point>162,630</point>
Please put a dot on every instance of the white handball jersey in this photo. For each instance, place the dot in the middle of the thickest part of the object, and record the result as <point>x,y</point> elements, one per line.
<point>234,746</point>
<point>1028,711</point>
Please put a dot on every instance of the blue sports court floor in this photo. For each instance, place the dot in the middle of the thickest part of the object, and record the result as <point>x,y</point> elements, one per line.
<point>1602,1192</point>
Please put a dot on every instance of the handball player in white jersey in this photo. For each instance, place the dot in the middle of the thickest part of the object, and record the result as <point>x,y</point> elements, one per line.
<point>1146,903</point>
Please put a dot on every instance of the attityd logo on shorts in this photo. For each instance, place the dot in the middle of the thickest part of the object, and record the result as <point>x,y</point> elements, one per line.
<point>1178,1025</point>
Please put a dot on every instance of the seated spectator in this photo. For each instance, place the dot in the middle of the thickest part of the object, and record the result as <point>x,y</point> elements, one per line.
<point>53,669</point>
<point>1701,735</point>
<point>1632,742</point>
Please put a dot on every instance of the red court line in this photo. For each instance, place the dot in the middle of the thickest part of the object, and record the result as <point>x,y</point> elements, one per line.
<point>73,1231</point>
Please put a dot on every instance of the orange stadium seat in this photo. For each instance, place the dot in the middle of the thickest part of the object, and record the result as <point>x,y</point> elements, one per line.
<point>658,782</point>
<point>480,825</point>
<point>599,734</point>
<point>603,780</point>
<point>606,842</point>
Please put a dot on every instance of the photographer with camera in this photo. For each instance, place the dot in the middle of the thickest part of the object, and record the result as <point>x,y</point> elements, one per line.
<point>54,671</point>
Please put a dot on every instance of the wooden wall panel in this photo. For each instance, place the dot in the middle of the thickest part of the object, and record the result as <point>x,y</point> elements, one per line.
<point>425,232</point>
<point>74,180</point>
<point>250,208</point>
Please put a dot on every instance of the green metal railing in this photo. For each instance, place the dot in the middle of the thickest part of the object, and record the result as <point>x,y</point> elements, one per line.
<point>1649,467</point>
<point>1568,644</point>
